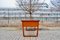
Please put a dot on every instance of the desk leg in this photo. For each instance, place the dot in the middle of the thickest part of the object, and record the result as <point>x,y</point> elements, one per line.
<point>37,30</point>
<point>23,31</point>
<point>31,36</point>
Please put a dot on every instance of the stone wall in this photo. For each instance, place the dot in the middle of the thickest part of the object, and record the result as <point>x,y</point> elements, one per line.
<point>10,23</point>
<point>50,24</point>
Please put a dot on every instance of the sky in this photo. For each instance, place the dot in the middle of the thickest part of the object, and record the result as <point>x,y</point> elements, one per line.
<point>12,3</point>
<point>7,3</point>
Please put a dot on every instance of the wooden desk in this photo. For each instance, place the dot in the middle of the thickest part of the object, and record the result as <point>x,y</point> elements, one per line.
<point>30,23</point>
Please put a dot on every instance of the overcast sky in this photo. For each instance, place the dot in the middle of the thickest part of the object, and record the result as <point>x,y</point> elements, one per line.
<point>7,4</point>
<point>12,3</point>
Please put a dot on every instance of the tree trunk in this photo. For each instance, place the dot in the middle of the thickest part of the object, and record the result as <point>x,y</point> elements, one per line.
<point>30,15</point>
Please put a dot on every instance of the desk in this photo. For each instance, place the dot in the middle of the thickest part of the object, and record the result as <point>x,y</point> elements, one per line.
<point>30,23</point>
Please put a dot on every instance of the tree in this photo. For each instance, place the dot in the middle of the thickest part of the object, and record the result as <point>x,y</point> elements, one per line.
<point>28,6</point>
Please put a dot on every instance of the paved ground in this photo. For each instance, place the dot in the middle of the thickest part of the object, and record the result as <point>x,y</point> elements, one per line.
<point>6,34</point>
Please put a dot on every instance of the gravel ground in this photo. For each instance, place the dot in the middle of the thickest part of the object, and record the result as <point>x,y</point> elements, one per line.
<point>17,35</point>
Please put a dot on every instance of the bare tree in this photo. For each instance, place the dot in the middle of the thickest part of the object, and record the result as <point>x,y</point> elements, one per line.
<point>28,6</point>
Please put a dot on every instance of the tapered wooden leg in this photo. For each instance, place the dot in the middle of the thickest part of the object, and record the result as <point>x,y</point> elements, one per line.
<point>37,30</point>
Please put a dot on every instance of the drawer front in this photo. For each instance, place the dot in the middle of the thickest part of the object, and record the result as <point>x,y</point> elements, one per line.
<point>30,24</point>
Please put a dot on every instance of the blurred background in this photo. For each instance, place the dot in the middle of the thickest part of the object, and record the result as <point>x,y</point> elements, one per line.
<point>12,12</point>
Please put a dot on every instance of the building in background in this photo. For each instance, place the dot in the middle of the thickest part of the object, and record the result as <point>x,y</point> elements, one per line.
<point>47,15</point>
